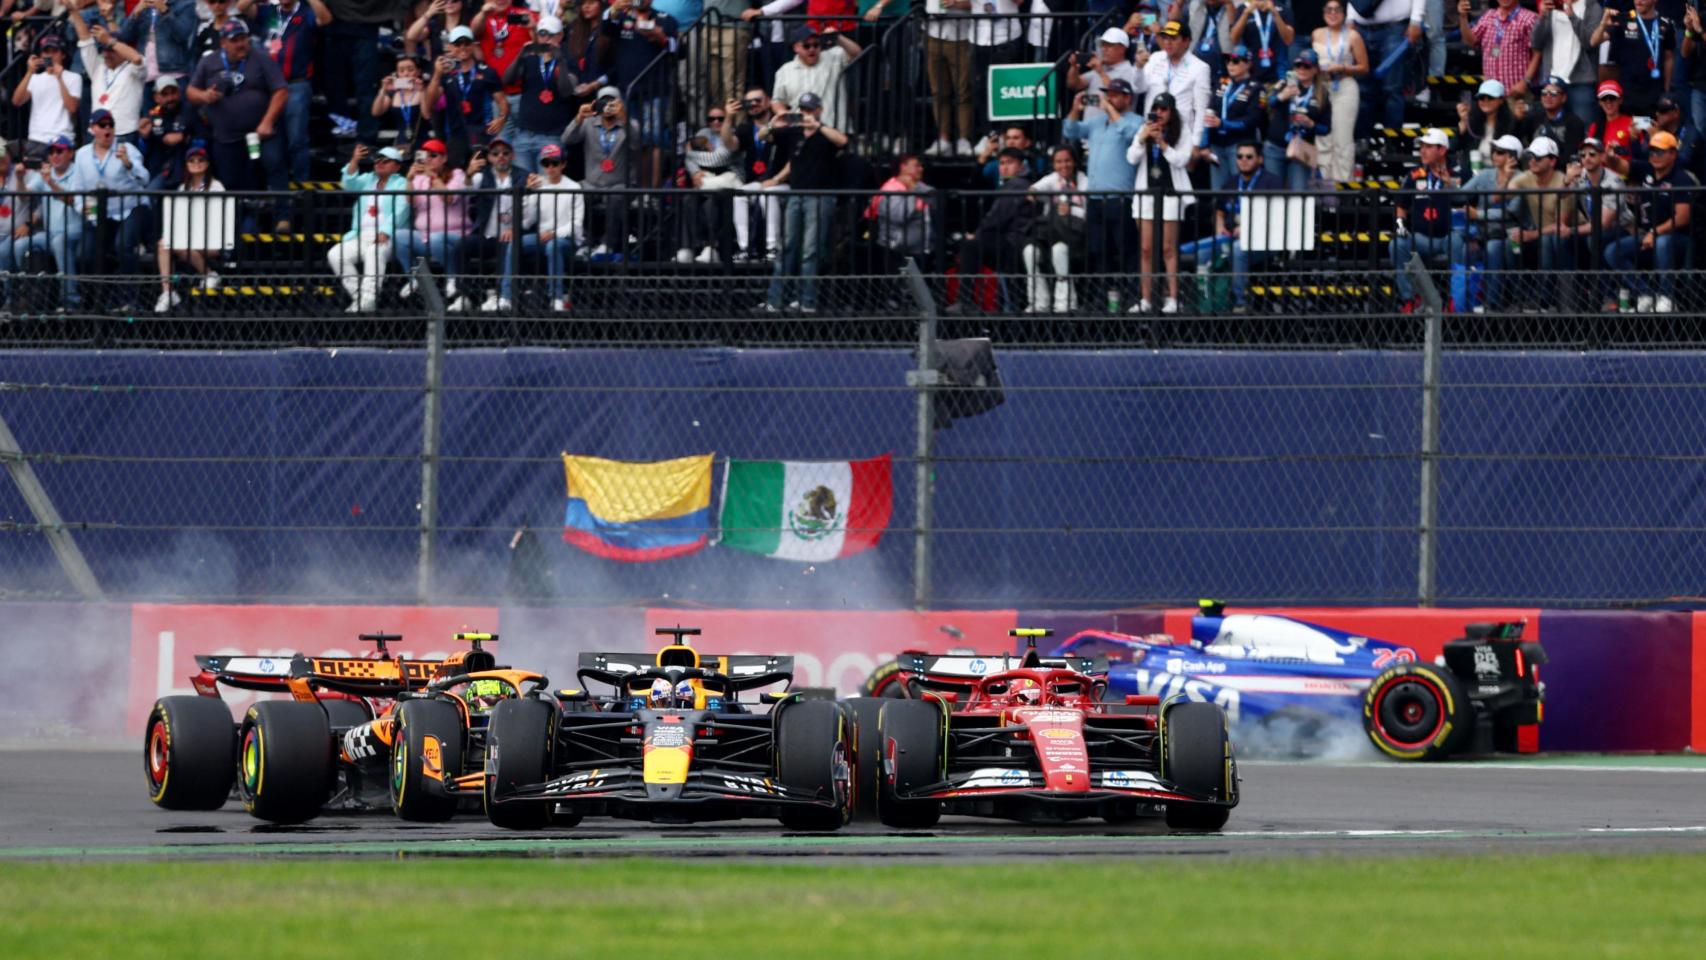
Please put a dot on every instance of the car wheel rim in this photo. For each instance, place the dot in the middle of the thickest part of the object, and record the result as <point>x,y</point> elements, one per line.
<point>1409,713</point>
<point>251,760</point>
<point>399,759</point>
<point>158,752</point>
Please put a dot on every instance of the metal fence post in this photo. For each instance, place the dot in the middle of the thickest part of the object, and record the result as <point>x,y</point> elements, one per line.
<point>71,558</point>
<point>432,418</point>
<point>923,380</point>
<point>1427,545</point>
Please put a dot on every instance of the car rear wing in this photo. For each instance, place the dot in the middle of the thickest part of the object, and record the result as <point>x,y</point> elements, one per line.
<point>745,671</point>
<point>971,668</point>
<point>359,676</point>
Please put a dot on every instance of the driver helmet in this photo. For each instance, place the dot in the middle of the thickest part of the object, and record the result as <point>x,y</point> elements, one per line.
<point>1027,691</point>
<point>662,693</point>
<point>481,695</point>
<point>685,695</point>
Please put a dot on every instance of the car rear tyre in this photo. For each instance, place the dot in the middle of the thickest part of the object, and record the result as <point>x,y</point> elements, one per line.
<point>910,744</point>
<point>867,753</point>
<point>284,770</point>
<point>343,714</point>
<point>189,749</point>
<point>1196,757</point>
<point>1417,711</point>
<point>813,756</point>
<point>427,747</point>
<point>519,741</point>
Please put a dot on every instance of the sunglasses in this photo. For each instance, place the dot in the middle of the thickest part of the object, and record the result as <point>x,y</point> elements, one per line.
<point>1611,96</point>
<point>1485,96</point>
<point>1590,151</point>
<point>551,162</point>
<point>1655,151</point>
<point>461,43</point>
<point>1551,92</point>
<point>1247,156</point>
<point>500,152</point>
<point>1305,66</point>
<point>102,124</point>
<point>716,119</point>
<point>1237,59</point>
<point>59,150</point>
<point>811,46</point>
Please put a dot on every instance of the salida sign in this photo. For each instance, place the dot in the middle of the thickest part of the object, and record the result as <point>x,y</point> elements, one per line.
<point>1021,91</point>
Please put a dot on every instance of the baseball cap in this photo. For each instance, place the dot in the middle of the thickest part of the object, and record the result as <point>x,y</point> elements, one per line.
<point>198,147</point>
<point>1508,143</point>
<point>1307,56</point>
<point>1175,29</point>
<point>1241,51</point>
<point>1120,85</point>
<point>1543,147</point>
<point>392,154</point>
<point>1490,88</point>
<point>461,32</point>
<point>51,41</point>
<point>1435,137</point>
<point>550,151</point>
<point>1164,99</point>
<point>1593,142</point>
<point>549,24</point>
<point>608,91</point>
<point>801,34</point>
<point>1116,36</point>
<point>234,28</point>
<point>100,115</point>
<point>497,140</point>
<point>1665,103</point>
<point>1662,140</point>
<point>810,101</point>
<point>166,80</point>
<point>1555,82</point>
<point>1610,88</point>
<point>60,143</point>
<point>435,146</point>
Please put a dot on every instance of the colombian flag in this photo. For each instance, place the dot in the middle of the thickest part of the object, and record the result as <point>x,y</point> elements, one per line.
<point>638,511</point>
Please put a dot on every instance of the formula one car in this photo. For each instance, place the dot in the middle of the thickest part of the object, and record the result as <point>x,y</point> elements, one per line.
<point>1288,685</point>
<point>1033,738</point>
<point>357,733</point>
<point>673,742</point>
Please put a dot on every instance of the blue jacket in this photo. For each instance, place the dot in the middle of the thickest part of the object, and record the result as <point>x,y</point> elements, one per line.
<point>174,36</point>
<point>1107,166</point>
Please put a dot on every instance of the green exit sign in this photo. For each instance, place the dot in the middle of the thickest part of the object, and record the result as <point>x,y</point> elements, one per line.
<point>1022,91</point>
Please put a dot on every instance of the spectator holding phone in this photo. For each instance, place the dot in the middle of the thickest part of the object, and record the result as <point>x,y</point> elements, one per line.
<point>164,31</point>
<point>401,105</point>
<point>440,220</point>
<point>498,227</point>
<point>504,31</point>
<point>429,35</point>
<point>1112,176</point>
<point>358,259</point>
<point>1642,45</point>
<point>17,214</point>
<point>466,97</point>
<point>819,61</point>
<point>605,133</point>
<point>116,74</point>
<point>52,93</point>
<point>1161,154</point>
<point>548,85</point>
<point>64,187</point>
<point>1113,50</point>
<point>1298,117</point>
<point>814,164</point>
<point>1266,28</point>
<point>1057,236</point>
<point>639,35</point>
<point>762,156</point>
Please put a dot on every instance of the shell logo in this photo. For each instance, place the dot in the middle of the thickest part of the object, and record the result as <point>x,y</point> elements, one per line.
<point>1058,734</point>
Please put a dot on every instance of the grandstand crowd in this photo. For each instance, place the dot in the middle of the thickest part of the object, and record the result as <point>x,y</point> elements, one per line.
<point>498,138</point>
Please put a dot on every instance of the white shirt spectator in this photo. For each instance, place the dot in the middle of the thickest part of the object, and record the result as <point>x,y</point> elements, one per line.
<point>942,23</point>
<point>504,213</point>
<point>1189,81</point>
<point>824,79</point>
<point>48,118</point>
<point>562,209</point>
<point>120,170</point>
<point>1124,70</point>
<point>118,90</point>
<point>1054,184</point>
<point>1392,11</point>
<point>987,32</point>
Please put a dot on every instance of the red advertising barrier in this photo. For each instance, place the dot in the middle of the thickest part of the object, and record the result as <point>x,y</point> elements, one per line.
<point>1697,738</point>
<point>165,638</point>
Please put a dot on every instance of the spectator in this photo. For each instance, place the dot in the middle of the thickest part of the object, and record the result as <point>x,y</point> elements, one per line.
<point>401,104</point>
<point>1553,120</point>
<point>1491,212</point>
<point>1694,65</point>
<point>1058,234</point>
<point>1643,49</point>
<point>62,213</point>
<point>212,33</point>
<point>1503,37</point>
<point>1601,214</point>
<point>1667,116</point>
<point>907,218</point>
<point>1266,29</point>
<point>497,224</point>
<point>17,213</point>
<point>727,42</point>
<point>192,231</point>
<point>947,63</point>
<point>548,91</point>
<point>1111,176</point>
<point>1489,119</point>
<point>1160,154</point>
<point>430,34</point>
<point>1547,220</point>
<point>712,171</point>
<point>1179,73</point>
<point>1235,115</point>
<point>1664,205</point>
<point>1110,63</point>
<point>52,93</point>
<point>638,37</point>
<point>243,95</point>
<point>1251,177</point>
<point>1392,31</point>
<point>1344,61</point>
<point>1017,137</point>
<point>440,213</point>
<point>587,47</point>
<point>165,32</point>
<point>562,220</point>
<point>764,160</point>
<point>359,257</point>
<point>115,76</point>
<point>1425,207</point>
<point>290,28</point>
<point>504,31</point>
<point>104,163</point>
<point>999,235</point>
<point>466,97</point>
<point>351,61</point>
<point>1211,22</point>
<point>1615,128</point>
<point>814,164</point>
<point>605,130</point>
<point>1297,117</point>
<point>1561,36</point>
<point>996,39</point>
<point>819,61</point>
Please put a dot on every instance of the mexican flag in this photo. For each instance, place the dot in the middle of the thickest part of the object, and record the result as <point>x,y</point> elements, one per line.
<point>806,510</point>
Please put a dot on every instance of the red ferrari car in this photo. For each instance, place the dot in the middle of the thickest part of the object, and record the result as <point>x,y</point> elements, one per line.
<point>1028,738</point>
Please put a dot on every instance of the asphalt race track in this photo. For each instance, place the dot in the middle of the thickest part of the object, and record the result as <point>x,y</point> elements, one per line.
<point>93,803</point>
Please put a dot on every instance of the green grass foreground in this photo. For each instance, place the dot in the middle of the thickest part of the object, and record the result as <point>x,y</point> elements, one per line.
<point>1368,906</point>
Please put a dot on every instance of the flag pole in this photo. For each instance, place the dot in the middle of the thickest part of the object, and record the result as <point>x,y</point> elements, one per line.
<point>923,380</point>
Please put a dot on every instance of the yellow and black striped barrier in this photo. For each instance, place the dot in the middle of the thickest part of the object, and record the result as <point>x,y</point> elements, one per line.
<point>326,185</point>
<point>259,290</point>
<point>291,237</point>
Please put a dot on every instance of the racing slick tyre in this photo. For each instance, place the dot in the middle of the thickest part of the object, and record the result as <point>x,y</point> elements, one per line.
<point>1196,756</point>
<point>909,736</point>
<point>190,747</point>
<point>427,746</point>
<point>519,739</point>
<point>1417,711</point>
<point>812,756</point>
<point>284,770</point>
<point>342,714</point>
<point>867,757</point>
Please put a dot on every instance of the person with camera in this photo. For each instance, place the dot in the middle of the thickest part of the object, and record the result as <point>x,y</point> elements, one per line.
<point>1161,155</point>
<point>1235,115</point>
<point>61,212</point>
<point>1057,236</point>
<point>165,33</point>
<point>763,159</point>
<point>105,163</point>
<point>1426,204</point>
<point>401,105</point>
<point>587,47</point>
<point>1554,120</point>
<point>1177,71</point>
<point>244,96</point>
<point>1560,36</point>
<point>52,93</point>
<point>18,236</point>
<point>1642,45</point>
<point>712,171</point>
<point>1111,174</point>
<point>429,35</point>
<point>606,134</point>
<point>498,226</point>
<point>440,221</point>
<point>819,61</point>
<point>1015,136</point>
<point>814,164</point>
<point>380,208</point>
<point>1112,61</point>
<point>548,92</point>
<point>1266,28</point>
<point>639,35</point>
<point>505,30</point>
<point>115,71</point>
<point>1344,62</point>
<point>191,231</point>
<point>467,97</point>
<point>1298,116</point>
<point>166,132</point>
<point>289,30</point>
<point>1503,36</point>
<point>1690,155</point>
